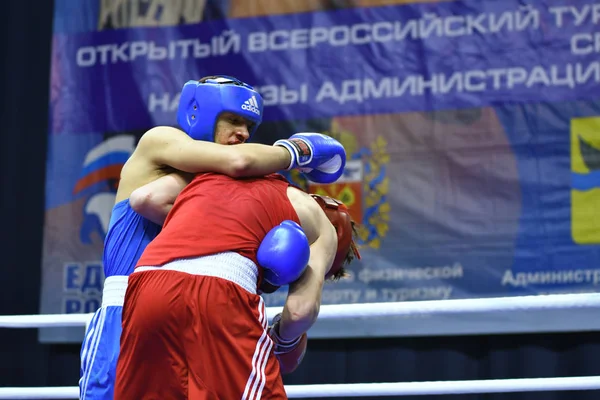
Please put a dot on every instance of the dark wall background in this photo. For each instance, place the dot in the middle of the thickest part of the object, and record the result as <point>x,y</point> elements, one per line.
<point>25,47</point>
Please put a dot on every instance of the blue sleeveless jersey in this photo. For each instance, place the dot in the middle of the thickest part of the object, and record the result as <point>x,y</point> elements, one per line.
<point>127,237</point>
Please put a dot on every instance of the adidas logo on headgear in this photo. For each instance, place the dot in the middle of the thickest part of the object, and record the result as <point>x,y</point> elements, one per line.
<point>251,105</point>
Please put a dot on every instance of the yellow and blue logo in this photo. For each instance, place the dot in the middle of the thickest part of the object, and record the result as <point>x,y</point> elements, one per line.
<point>585,180</point>
<point>363,187</point>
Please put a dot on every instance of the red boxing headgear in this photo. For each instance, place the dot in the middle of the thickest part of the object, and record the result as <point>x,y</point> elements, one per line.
<point>338,215</point>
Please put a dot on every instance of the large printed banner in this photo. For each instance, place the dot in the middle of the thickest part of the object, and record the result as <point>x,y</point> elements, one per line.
<point>472,130</point>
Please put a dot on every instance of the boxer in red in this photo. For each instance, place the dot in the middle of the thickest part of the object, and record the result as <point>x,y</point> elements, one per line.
<point>194,325</point>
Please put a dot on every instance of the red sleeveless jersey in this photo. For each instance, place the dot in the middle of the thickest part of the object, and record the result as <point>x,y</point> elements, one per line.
<point>215,213</point>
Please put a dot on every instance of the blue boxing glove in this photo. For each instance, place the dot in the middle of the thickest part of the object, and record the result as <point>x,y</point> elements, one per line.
<point>284,253</point>
<point>320,157</point>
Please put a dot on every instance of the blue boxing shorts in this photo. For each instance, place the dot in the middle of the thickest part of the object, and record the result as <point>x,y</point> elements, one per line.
<point>127,237</point>
<point>100,348</point>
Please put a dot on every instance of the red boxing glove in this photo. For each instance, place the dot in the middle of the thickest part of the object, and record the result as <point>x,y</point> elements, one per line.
<point>289,353</point>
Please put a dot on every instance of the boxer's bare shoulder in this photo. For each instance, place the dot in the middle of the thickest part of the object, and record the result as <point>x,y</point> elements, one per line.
<point>308,212</point>
<point>319,231</point>
<point>143,166</point>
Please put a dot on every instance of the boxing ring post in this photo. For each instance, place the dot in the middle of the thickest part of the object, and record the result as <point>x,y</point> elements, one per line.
<point>370,310</point>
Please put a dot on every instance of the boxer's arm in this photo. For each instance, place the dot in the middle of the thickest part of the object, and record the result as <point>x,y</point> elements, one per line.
<point>154,200</point>
<point>303,302</point>
<point>173,147</point>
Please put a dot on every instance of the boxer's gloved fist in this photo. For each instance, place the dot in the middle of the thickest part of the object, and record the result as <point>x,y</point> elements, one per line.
<point>320,157</point>
<point>284,253</point>
<point>289,353</point>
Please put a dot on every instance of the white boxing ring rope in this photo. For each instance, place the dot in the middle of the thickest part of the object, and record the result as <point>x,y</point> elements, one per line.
<point>370,310</point>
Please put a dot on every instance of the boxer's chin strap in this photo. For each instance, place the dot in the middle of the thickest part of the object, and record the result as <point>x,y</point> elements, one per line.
<point>328,201</point>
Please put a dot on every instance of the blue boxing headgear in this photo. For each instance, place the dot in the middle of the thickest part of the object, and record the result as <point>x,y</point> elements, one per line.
<point>203,101</point>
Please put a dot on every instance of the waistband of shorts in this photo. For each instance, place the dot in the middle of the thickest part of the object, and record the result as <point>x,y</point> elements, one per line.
<point>229,265</point>
<point>113,293</point>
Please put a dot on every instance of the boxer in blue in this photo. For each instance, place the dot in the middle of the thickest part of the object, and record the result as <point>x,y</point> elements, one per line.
<point>213,112</point>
